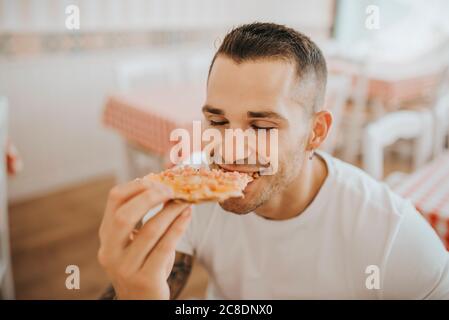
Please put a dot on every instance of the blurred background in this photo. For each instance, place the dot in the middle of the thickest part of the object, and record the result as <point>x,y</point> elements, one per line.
<point>86,105</point>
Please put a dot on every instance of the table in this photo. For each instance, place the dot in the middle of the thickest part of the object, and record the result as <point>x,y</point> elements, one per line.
<point>392,85</point>
<point>145,120</point>
<point>382,88</point>
<point>428,189</point>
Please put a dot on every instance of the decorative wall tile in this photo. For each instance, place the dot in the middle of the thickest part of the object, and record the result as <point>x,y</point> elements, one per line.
<point>43,43</point>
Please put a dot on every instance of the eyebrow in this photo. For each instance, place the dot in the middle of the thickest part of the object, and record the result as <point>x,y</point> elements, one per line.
<point>213,110</point>
<point>250,114</point>
<point>265,114</point>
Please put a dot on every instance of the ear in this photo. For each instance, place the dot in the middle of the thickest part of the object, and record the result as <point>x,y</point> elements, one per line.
<point>321,124</point>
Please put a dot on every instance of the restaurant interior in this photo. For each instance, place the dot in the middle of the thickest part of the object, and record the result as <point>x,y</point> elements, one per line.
<point>90,90</point>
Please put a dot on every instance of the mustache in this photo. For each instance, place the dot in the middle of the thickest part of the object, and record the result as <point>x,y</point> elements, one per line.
<point>254,170</point>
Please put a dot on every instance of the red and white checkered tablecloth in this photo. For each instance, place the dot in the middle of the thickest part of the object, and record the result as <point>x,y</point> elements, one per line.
<point>392,93</point>
<point>147,118</point>
<point>392,86</point>
<point>428,189</point>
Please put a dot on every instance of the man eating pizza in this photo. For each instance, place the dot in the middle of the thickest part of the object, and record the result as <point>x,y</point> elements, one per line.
<point>315,229</point>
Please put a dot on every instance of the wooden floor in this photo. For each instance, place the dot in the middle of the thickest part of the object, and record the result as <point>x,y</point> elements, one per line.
<point>52,232</point>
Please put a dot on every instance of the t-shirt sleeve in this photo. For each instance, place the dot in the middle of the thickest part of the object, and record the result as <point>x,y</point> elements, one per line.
<point>201,215</point>
<point>418,264</point>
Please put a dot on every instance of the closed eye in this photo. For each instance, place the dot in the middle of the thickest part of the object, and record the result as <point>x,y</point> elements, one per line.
<point>261,128</point>
<point>217,123</point>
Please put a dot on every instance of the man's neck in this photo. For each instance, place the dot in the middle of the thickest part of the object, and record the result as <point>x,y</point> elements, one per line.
<point>299,194</point>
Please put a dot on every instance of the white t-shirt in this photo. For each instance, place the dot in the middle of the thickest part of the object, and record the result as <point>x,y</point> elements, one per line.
<point>356,240</point>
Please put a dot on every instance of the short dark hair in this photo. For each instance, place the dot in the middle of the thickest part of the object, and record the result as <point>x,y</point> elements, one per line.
<point>269,40</point>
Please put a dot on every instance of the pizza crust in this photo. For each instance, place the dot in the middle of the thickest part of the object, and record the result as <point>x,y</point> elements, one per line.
<point>201,185</point>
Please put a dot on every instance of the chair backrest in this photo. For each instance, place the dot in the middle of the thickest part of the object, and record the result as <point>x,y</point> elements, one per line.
<point>337,94</point>
<point>390,128</point>
<point>443,85</point>
<point>143,73</point>
<point>186,65</point>
<point>441,124</point>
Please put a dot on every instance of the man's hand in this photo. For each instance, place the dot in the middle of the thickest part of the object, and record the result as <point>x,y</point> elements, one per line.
<point>139,264</point>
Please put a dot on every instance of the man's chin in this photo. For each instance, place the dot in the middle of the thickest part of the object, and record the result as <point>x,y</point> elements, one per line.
<point>253,198</point>
<point>250,202</point>
<point>237,206</point>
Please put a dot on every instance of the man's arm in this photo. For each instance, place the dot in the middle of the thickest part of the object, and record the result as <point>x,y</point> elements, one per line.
<point>176,281</point>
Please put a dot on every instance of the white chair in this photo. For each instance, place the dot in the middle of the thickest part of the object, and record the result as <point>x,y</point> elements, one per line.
<point>441,124</point>
<point>337,95</point>
<point>6,279</point>
<point>354,120</point>
<point>390,128</point>
<point>443,86</point>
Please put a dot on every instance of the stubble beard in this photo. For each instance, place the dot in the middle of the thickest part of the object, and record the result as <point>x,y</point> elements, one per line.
<point>273,185</point>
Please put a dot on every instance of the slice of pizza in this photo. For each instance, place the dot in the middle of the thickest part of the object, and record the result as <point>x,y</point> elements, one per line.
<point>201,185</point>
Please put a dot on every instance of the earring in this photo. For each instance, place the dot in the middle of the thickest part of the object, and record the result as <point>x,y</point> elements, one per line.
<point>312,153</point>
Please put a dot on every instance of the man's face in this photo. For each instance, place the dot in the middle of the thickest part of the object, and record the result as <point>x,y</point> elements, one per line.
<point>267,95</point>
